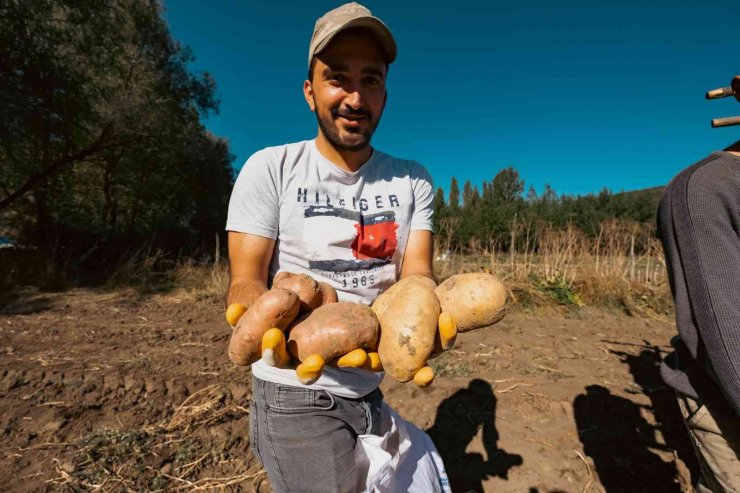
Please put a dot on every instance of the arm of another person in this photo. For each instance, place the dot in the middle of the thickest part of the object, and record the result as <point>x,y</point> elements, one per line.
<point>249,262</point>
<point>708,237</point>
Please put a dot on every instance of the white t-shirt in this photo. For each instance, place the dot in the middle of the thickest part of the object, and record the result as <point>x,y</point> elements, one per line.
<point>348,229</point>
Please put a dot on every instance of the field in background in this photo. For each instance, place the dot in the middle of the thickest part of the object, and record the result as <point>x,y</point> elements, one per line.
<point>622,268</point>
<point>548,270</point>
<point>128,387</point>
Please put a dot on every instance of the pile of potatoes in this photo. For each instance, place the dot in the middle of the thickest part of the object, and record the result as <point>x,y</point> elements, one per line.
<point>409,323</point>
<point>419,319</point>
<point>319,328</point>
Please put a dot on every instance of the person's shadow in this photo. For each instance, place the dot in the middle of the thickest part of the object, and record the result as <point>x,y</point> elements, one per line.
<point>645,369</point>
<point>618,439</point>
<point>459,417</point>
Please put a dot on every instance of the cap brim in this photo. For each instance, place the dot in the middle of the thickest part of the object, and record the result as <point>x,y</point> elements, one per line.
<point>374,24</point>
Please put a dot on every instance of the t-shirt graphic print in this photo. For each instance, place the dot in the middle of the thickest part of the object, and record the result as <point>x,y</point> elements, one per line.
<point>373,244</point>
<point>348,229</point>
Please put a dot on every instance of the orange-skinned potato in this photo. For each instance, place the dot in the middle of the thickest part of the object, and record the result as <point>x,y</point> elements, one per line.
<point>328,294</point>
<point>307,289</point>
<point>473,300</point>
<point>409,330</point>
<point>277,308</point>
<point>334,330</point>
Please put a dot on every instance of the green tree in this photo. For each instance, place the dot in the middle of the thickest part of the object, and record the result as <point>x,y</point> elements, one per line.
<point>507,186</point>
<point>454,194</point>
<point>101,139</point>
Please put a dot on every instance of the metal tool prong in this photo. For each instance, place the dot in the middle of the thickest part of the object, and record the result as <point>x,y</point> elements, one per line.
<point>725,122</point>
<point>721,92</point>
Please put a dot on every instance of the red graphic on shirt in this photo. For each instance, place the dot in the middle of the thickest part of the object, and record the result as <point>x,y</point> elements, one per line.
<point>375,240</point>
<point>373,244</point>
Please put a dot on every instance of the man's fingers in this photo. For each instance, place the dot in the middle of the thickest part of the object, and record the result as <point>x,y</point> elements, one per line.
<point>353,359</point>
<point>446,333</point>
<point>424,377</point>
<point>373,362</point>
<point>234,312</point>
<point>273,348</point>
<point>310,370</point>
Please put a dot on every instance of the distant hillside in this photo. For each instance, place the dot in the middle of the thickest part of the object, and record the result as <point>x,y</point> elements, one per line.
<point>646,200</point>
<point>651,194</point>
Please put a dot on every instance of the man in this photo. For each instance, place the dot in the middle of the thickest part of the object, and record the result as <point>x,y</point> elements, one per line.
<point>699,225</point>
<point>344,213</point>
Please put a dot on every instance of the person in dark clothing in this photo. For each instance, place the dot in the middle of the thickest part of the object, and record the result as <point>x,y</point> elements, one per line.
<point>699,226</point>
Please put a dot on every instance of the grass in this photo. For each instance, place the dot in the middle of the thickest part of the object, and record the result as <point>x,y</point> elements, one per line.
<point>621,270</point>
<point>166,456</point>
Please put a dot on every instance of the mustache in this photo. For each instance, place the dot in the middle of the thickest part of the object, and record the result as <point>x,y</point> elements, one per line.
<point>337,112</point>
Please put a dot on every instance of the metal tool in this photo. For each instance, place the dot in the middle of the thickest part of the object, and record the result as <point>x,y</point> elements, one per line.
<point>732,90</point>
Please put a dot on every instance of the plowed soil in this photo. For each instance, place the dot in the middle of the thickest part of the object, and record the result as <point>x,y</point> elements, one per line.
<point>118,391</point>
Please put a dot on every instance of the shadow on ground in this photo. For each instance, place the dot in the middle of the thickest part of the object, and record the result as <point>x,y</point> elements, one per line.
<point>24,302</point>
<point>459,419</point>
<point>620,440</point>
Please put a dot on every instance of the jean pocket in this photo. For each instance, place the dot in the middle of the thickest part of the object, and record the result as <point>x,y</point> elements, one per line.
<point>693,410</point>
<point>296,400</point>
<point>696,417</point>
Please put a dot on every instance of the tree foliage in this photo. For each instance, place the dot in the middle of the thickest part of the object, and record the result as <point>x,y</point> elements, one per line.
<point>101,144</point>
<point>486,218</point>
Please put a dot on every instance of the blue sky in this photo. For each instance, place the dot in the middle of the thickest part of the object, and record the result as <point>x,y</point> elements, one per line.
<point>580,94</point>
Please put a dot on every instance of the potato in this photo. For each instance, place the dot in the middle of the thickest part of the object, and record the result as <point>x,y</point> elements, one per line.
<point>276,308</point>
<point>474,300</point>
<point>408,330</point>
<point>241,295</point>
<point>328,294</point>
<point>384,300</point>
<point>303,285</point>
<point>333,330</point>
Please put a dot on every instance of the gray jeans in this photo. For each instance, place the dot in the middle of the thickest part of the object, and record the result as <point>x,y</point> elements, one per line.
<point>305,438</point>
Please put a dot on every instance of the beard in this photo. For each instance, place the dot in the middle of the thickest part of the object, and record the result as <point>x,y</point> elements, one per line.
<point>347,139</point>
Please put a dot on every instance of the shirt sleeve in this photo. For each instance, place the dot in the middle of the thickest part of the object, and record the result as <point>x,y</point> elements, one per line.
<point>254,206</point>
<point>423,189</point>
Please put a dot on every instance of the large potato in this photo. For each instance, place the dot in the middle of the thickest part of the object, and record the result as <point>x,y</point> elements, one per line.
<point>409,329</point>
<point>383,301</point>
<point>474,300</point>
<point>276,308</point>
<point>333,330</point>
<point>307,289</point>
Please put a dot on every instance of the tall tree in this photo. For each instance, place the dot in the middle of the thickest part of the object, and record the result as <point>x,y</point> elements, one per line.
<point>454,194</point>
<point>507,186</point>
<point>101,135</point>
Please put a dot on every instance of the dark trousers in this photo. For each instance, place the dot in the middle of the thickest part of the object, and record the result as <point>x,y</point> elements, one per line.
<point>305,438</point>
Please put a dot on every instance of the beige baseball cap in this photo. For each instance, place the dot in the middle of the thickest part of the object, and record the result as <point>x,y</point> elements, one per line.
<point>346,16</point>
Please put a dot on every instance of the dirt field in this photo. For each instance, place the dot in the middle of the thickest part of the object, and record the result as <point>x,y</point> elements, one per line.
<point>125,392</point>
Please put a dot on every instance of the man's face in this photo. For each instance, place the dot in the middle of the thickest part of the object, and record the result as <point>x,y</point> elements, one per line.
<point>347,90</point>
